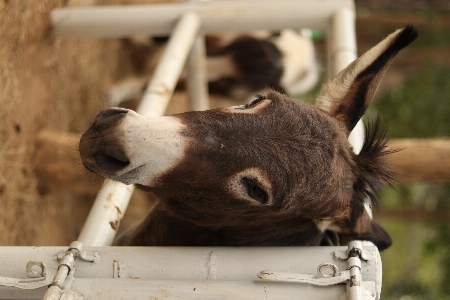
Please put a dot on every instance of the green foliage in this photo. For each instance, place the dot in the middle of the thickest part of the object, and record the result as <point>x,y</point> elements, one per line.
<point>418,265</point>
<point>407,272</point>
<point>419,108</point>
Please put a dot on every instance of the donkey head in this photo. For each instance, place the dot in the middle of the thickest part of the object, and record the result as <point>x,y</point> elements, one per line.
<point>277,165</point>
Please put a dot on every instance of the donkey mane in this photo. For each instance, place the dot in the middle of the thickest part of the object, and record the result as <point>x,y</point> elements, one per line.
<point>376,172</point>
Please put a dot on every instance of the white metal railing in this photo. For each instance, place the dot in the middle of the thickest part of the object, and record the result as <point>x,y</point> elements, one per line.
<point>154,20</point>
<point>195,272</point>
<point>187,23</point>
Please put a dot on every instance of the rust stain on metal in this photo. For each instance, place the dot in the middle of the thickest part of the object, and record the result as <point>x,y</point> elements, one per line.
<point>115,224</point>
<point>165,90</point>
<point>354,281</point>
<point>160,89</point>
<point>161,293</point>
<point>110,197</point>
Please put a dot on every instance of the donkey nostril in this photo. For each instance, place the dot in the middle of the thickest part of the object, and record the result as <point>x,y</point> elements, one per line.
<point>111,163</point>
<point>109,113</point>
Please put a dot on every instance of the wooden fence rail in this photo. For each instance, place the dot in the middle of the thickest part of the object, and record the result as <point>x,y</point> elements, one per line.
<point>422,160</point>
<point>60,168</point>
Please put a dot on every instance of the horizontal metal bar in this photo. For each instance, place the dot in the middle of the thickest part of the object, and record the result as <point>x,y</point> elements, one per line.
<point>182,265</point>
<point>178,263</point>
<point>215,270</point>
<point>120,21</point>
<point>209,289</point>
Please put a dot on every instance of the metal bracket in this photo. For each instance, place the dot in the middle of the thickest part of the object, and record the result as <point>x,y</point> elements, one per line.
<point>328,274</point>
<point>355,254</point>
<point>39,276</point>
<point>323,277</point>
<point>354,248</point>
<point>76,248</point>
<point>66,268</point>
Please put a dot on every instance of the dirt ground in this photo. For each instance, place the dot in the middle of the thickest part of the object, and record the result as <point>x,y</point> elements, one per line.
<point>59,84</point>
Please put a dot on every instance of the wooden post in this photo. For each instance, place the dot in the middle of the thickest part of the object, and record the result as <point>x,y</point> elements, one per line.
<point>425,160</point>
<point>60,168</point>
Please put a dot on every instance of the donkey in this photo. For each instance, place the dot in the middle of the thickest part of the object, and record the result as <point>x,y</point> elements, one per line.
<point>273,172</point>
<point>240,65</point>
<point>247,64</point>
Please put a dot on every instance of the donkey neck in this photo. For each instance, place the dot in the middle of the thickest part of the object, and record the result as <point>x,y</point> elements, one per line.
<point>164,228</point>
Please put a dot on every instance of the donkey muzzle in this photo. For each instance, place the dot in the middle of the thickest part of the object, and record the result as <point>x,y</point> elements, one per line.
<point>125,146</point>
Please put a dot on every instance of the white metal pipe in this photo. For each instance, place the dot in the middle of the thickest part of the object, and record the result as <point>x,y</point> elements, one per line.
<point>103,220</point>
<point>356,137</point>
<point>354,286</point>
<point>244,15</point>
<point>111,203</point>
<point>197,78</point>
<point>170,66</point>
<point>342,51</point>
<point>53,293</point>
<point>342,40</point>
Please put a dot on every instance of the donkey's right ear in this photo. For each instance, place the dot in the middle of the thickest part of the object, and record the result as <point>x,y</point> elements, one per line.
<point>347,96</point>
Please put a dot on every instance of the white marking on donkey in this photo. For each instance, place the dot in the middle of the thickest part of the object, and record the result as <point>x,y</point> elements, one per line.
<point>272,172</point>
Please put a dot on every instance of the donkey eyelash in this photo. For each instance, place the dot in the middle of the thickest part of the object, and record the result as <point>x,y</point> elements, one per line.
<point>258,99</point>
<point>252,104</point>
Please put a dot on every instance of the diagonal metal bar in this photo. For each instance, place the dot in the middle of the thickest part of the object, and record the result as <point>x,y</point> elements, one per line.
<point>111,203</point>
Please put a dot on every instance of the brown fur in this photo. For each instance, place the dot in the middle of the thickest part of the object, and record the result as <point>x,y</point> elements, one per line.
<point>196,210</point>
<point>258,62</point>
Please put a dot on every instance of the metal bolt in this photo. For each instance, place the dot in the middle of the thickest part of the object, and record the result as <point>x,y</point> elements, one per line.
<point>326,270</point>
<point>35,269</point>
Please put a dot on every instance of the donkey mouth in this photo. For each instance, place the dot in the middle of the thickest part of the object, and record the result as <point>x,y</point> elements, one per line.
<point>111,160</point>
<point>114,169</point>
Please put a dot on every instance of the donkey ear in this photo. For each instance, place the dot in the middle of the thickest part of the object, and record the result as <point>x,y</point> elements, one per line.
<point>367,229</point>
<point>347,96</point>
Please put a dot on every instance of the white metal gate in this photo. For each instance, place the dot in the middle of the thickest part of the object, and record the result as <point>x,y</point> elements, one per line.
<point>91,269</point>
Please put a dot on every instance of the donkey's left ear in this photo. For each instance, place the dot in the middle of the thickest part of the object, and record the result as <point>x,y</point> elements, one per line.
<point>347,96</point>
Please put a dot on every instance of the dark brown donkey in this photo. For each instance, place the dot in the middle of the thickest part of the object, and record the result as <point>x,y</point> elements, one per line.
<point>270,173</point>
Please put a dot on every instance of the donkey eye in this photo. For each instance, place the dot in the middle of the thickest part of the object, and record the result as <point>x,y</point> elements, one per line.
<point>255,191</point>
<point>258,99</point>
